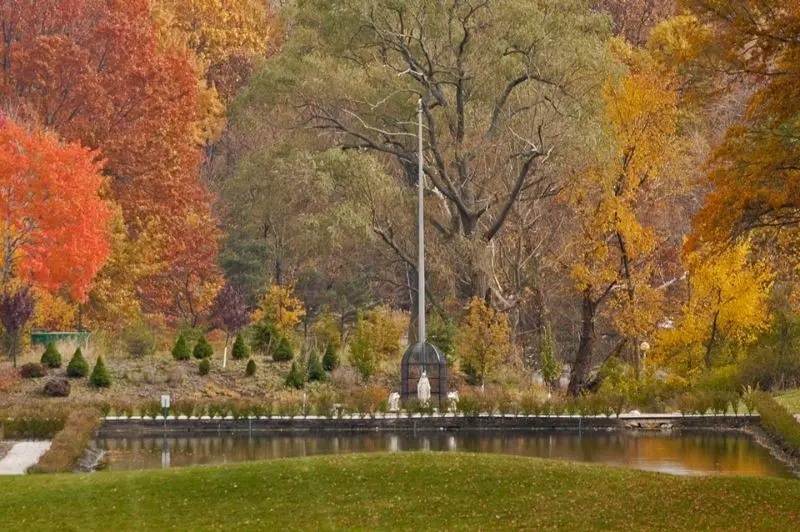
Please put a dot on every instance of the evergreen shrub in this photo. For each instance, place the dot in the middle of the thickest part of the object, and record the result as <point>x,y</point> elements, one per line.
<point>77,367</point>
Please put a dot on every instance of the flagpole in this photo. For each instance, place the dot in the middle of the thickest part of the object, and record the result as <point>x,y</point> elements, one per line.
<point>421,236</point>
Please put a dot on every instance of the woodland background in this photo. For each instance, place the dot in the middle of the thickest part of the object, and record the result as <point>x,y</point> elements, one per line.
<point>612,187</point>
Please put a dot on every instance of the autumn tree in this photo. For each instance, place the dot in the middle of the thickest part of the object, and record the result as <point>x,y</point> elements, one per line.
<point>230,312</point>
<point>280,307</point>
<point>224,35</point>
<point>753,177</point>
<point>725,310</point>
<point>94,72</point>
<point>376,339</point>
<point>633,19</point>
<point>483,340</point>
<point>619,202</point>
<point>506,86</point>
<point>54,228</point>
<point>16,310</point>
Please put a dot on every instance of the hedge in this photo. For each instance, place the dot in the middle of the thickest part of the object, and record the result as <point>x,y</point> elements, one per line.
<point>778,423</point>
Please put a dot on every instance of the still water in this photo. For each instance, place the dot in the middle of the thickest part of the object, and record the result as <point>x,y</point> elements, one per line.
<point>678,453</point>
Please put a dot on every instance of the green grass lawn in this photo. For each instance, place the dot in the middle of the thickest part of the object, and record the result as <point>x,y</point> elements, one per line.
<point>396,491</point>
<point>790,400</point>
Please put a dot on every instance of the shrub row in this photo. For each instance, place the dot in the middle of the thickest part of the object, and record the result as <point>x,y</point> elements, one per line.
<point>778,422</point>
<point>69,444</point>
<point>37,420</point>
<point>372,400</point>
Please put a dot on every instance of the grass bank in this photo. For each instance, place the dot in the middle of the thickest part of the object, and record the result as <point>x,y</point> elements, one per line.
<point>790,400</point>
<point>779,423</point>
<point>396,491</point>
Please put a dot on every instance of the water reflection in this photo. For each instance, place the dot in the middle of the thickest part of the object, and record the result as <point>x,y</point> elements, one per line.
<point>684,453</point>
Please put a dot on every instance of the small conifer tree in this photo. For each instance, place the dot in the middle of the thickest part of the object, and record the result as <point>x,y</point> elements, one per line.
<point>100,377</point>
<point>330,360</point>
<point>550,367</point>
<point>240,349</point>
<point>51,357</point>
<point>180,351</point>
<point>295,378</point>
<point>204,367</point>
<point>284,351</point>
<point>315,371</point>
<point>202,349</point>
<point>250,370</point>
<point>77,367</point>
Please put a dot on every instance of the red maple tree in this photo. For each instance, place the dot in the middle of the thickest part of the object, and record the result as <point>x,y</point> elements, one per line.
<point>55,225</point>
<point>95,72</point>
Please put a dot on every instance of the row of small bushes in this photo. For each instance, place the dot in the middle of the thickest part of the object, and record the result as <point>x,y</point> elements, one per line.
<point>70,443</point>
<point>718,402</point>
<point>366,401</point>
<point>778,422</point>
<point>372,400</point>
<point>33,420</point>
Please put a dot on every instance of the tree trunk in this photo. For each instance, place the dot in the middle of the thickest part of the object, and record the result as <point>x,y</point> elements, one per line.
<point>583,358</point>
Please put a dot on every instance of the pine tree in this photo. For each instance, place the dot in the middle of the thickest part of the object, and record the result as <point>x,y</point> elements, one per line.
<point>202,348</point>
<point>181,349</point>
<point>550,366</point>
<point>315,371</point>
<point>295,378</point>
<point>284,351</point>
<point>330,360</point>
<point>100,377</point>
<point>51,357</point>
<point>240,349</point>
<point>204,367</point>
<point>250,370</point>
<point>77,367</point>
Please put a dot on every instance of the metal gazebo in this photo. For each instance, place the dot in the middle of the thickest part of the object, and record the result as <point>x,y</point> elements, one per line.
<point>418,358</point>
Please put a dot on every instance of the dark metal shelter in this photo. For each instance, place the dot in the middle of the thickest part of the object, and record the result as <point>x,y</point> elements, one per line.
<point>418,358</point>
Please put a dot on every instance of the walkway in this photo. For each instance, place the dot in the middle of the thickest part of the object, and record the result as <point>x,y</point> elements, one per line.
<point>21,456</point>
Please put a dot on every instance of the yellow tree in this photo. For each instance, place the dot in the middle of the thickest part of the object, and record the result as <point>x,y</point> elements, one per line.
<point>483,340</point>
<point>618,201</point>
<point>222,36</point>
<point>376,339</point>
<point>727,307</point>
<point>281,307</point>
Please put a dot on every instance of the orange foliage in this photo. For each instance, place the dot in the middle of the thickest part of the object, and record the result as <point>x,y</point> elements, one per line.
<point>755,172</point>
<point>55,225</point>
<point>93,70</point>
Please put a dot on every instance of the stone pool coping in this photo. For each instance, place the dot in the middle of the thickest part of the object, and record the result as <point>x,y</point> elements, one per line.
<point>138,426</point>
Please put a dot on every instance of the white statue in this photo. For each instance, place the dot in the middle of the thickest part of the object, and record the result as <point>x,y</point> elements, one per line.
<point>394,402</point>
<point>452,400</point>
<point>424,388</point>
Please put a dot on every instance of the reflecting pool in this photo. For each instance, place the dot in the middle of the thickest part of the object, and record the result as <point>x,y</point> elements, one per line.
<point>678,452</point>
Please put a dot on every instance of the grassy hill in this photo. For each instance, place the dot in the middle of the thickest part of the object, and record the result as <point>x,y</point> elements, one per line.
<point>396,491</point>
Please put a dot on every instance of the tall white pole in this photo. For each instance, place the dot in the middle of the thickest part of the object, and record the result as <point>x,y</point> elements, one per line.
<point>421,234</point>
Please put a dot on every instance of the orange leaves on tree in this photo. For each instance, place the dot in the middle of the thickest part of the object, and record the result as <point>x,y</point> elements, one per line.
<point>754,173</point>
<point>55,225</point>
<point>95,72</point>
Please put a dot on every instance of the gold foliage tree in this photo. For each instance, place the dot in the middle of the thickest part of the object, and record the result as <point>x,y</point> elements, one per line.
<point>727,307</point>
<point>483,341</point>
<point>621,202</point>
